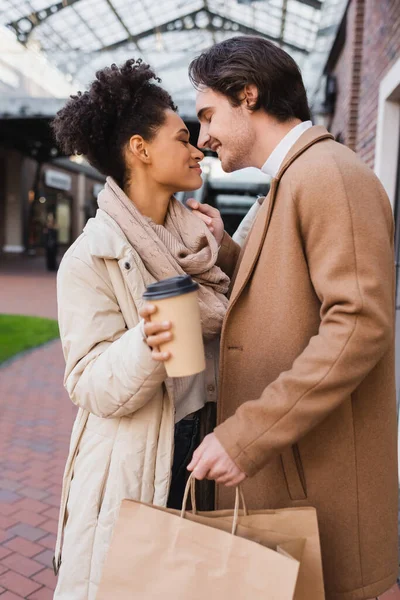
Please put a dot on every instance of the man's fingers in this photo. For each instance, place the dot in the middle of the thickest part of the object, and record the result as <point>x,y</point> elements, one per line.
<point>207,220</point>
<point>202,208</point>
<point>201,470</point>
<point>234,481</point>
<point>225,478</point>
<point>192,203</point>
<point>208,210</point>
<point>195,458</point>
<point>216,472</point>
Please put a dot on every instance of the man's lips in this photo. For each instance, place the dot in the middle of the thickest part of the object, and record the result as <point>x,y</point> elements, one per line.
<point>216,148</point>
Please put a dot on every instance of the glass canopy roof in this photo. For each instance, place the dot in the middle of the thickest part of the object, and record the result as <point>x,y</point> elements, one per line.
<point>81,36</point>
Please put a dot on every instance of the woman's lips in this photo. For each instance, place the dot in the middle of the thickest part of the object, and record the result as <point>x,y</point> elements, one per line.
<point>198,169</point>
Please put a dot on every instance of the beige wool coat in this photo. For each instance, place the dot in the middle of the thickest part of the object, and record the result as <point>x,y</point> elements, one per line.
<point>122,439</point>
<point>307,391</point>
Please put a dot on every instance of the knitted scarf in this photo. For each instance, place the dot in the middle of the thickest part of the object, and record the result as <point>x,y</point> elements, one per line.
<point>183,245</point>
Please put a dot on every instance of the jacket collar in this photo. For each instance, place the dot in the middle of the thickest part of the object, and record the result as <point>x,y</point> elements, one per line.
<point>105,237</point>
<point>308,138</point>
<point>256,238</point>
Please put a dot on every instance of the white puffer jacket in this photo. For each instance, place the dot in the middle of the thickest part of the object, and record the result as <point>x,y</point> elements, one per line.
<point>122,440</point>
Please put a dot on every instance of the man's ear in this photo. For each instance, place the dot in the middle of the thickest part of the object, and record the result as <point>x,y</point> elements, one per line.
<point>139,148</point>
<point>250,95</point>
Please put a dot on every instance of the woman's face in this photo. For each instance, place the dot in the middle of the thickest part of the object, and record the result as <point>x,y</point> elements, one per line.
<point>174,162</point>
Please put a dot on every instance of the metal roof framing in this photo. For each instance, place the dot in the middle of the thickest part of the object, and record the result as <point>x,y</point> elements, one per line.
<point>25,25</point>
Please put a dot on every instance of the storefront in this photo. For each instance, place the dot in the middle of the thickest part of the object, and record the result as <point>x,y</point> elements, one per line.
<point>30,192</point>
<point>56,199</point>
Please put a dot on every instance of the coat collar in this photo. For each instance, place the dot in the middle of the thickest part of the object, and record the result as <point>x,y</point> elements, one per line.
<point>259,231</point>
<point>308,138</point>
<point>105,237</point>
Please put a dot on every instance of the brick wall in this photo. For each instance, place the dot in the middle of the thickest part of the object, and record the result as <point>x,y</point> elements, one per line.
<point>343,72</point>
<point>380,51</point>
<point>372,46</point>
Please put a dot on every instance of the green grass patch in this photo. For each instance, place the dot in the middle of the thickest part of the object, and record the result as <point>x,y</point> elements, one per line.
<point>19,333</point>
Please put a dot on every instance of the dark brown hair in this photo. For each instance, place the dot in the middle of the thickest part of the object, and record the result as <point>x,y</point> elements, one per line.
<point>229,66</point>
<point>121,102</point>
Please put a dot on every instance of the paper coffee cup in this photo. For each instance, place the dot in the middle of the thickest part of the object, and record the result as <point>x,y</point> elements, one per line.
<point>176,301</point>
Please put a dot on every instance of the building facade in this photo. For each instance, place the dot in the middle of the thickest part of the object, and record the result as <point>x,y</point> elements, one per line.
<point>365,65</point>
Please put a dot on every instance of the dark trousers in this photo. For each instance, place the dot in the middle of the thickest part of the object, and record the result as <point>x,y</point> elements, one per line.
<point>187,438</point>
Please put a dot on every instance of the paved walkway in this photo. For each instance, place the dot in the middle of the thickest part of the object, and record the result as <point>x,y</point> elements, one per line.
<point>27,288</point>
<point>36,417</point>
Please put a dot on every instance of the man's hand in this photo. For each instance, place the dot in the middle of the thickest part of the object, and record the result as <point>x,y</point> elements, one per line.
<point>156,333</point>
<point>211,217</point>
<point>210,460</point>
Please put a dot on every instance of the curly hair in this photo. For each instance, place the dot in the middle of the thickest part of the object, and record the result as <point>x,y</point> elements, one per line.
<point>232,64</point>
<point>121,102</point>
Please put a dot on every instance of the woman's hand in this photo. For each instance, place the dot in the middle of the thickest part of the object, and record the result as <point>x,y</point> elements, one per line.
<point>211,217</point>
<point>156,333</point>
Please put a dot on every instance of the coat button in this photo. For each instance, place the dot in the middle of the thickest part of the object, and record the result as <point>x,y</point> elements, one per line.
<point>211,388</point>
<point>127,266</point>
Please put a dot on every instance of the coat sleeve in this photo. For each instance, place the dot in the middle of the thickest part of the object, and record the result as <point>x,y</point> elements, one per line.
<point>109,369</point>
<point>346,224</point>
<point>228,255</point>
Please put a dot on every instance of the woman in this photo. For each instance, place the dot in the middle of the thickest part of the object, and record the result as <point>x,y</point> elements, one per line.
<point>122,442</point>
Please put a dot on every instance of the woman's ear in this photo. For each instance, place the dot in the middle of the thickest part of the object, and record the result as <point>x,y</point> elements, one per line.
<point>139,148</point>
<point>250,95</point>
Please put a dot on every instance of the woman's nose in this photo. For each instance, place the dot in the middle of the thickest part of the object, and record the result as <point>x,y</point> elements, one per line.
<point>197,154</point>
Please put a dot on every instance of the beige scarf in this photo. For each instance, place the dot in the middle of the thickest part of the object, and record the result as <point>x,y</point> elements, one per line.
<point>183,245</point>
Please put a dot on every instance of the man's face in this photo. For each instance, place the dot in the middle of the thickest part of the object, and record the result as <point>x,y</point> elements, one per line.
<point>225,129</point>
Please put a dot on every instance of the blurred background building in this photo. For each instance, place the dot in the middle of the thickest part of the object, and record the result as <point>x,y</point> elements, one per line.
<point>348,51</point>
<point>50,49</point>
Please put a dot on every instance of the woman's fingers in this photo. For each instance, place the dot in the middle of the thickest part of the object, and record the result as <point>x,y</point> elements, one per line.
<point>157,333</point>
<point>147,310</point>
<point>157,340</point>
<point>160,356</point>
<point>156,327</point>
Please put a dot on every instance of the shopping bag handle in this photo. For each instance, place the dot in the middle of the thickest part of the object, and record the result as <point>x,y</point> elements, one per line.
<point>239,497</point>
<point>190,487</point>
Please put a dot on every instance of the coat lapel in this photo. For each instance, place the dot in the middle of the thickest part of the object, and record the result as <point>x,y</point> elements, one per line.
<point>259,230</point>
<point>254,245</point>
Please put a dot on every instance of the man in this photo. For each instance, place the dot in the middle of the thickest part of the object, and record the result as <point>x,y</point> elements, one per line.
<point>307,411</point>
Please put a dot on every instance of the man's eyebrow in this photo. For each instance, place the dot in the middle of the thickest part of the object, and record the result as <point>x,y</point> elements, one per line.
<point>202,112</point>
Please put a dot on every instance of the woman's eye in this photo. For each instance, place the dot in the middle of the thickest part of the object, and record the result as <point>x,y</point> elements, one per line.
<point>184,142</point>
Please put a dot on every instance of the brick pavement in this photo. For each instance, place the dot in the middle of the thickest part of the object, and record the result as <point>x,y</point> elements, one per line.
<point>36,417</point>
<point>27,288</point>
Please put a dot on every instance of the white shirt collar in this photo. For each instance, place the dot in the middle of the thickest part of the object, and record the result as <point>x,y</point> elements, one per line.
<point>274,162</point>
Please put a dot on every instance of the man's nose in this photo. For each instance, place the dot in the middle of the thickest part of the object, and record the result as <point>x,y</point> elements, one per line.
<point>203,140</point>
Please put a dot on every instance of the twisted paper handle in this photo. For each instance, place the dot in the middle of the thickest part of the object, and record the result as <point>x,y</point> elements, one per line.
<point>239,497</point>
